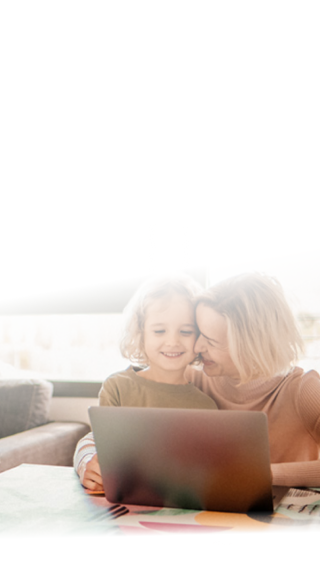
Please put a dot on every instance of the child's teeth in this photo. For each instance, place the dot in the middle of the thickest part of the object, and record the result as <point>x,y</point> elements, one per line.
<point>172,353</point>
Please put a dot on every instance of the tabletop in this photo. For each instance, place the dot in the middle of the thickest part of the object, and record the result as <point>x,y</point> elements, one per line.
<point>50,499</point>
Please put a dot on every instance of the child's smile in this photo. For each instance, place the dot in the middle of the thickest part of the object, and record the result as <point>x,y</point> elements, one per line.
<point>172,354</point>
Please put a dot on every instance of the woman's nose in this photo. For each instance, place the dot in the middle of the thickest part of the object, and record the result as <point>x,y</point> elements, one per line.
<point>199,346</point>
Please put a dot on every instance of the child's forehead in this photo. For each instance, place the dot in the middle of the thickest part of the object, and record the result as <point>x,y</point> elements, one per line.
<point>169,303</point>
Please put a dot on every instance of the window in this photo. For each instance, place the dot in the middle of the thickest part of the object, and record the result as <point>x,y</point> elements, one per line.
<point>60,347</point>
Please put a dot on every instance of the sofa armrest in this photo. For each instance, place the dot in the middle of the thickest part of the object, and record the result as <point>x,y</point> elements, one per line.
<point>50,444</point>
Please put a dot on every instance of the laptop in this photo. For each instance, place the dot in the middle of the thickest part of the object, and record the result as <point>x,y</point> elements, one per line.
<point>212,460</point>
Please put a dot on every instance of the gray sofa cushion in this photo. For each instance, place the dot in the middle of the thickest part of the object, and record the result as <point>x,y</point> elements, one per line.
<point>24,404</point>
<point>51,444</point>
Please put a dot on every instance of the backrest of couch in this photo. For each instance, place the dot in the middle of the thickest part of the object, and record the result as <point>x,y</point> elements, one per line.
<point>24,404</point>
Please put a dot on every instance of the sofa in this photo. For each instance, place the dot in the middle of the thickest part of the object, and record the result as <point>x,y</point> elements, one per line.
<point>26,434</point>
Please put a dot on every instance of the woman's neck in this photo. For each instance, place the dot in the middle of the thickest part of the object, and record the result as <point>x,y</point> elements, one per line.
<point>165,376</point>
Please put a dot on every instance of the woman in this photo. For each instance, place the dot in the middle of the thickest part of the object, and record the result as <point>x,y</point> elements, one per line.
<point>249,344</point>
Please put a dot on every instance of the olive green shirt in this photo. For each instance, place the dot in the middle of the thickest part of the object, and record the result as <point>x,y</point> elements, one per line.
<point>128,389</point>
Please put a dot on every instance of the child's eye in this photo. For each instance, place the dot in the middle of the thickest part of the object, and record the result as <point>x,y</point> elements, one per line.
<point>159,331</point>
<point>187,332</point>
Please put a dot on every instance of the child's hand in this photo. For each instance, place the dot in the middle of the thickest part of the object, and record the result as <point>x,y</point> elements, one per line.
<point>91,477</point>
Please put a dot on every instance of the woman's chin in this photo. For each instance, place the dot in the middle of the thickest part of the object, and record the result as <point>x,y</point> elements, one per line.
<point>209,369</point>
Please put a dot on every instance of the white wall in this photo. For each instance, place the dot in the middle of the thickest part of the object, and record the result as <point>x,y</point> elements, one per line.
<point>71,409</point>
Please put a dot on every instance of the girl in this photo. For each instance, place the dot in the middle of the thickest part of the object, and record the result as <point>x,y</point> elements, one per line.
<point>159,337</point>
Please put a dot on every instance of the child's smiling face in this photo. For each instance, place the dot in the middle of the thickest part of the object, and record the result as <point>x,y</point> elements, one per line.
<point>170,334</point>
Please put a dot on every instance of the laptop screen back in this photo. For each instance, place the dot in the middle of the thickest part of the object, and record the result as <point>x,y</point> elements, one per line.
<point>192,459</point>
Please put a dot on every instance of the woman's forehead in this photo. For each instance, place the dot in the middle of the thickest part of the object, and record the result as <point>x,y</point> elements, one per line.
<point>210,320</point>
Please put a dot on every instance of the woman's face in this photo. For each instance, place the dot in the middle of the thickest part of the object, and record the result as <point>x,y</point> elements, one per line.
<point>212,343</point>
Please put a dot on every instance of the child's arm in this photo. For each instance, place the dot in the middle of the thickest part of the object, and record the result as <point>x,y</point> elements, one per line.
<point>84,453</point>
<point>86,464</point>
<point>90,474</point>
<point>85,458</point>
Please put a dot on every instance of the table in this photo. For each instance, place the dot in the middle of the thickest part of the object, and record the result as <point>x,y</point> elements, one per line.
<point>50,499</point>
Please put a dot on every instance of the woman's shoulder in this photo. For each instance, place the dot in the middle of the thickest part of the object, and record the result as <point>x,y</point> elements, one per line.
<point>311,374</point>
<point>305,385</point>
<point>306,394</point>
<point>309,380</point>
<point>304,376</point>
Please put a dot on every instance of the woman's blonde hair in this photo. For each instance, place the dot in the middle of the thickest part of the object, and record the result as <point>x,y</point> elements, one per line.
<point>132,341</point>
<point>263,337</point>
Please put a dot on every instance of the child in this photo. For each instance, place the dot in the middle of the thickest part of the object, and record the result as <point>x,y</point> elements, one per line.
<point>159,336</point>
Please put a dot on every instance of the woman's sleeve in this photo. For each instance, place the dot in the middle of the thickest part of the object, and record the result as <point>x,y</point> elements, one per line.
<point>297,474</point>
<point>309,404</point>
<point>304,473</point>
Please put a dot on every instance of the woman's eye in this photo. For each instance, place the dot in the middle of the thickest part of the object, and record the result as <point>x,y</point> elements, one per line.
<point>159,332</point>
<point>187,332</point>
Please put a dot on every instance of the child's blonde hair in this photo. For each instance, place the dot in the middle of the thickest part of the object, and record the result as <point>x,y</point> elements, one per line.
<point>132,341</point>
<point>263,337</point>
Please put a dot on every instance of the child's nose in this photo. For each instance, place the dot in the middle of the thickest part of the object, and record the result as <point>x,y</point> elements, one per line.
<point>172,339</point>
